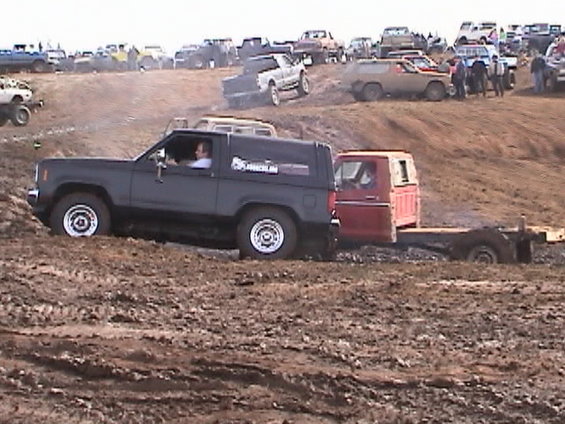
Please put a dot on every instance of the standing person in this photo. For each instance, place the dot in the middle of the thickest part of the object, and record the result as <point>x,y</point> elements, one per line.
<point>496,73</point>
<point>536,69</point>
<point>502,39</point>
<point>132,58</point>
<point>459,77</point>
<point>479,76</point>
<point>560,49</point>
<point>493,37</point>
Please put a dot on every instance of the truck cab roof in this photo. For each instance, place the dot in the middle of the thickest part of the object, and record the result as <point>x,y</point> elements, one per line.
<point>375,153</point>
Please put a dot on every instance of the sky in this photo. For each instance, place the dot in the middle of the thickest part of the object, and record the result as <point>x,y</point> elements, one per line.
<point>86,25</point>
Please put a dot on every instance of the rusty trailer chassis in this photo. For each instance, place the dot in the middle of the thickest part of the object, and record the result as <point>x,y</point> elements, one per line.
<point>486,245</point>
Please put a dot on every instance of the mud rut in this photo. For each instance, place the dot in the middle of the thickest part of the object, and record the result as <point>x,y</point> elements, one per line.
<point>116,330</point>
<point>120,330</point>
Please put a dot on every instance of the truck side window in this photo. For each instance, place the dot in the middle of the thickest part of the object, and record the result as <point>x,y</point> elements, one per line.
<point>182,150</point>
<point>401,174</point>
<point>356,175</point>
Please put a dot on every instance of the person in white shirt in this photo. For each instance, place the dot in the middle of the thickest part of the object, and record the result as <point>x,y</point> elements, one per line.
<point>203,159</point>
<point>496,74</point>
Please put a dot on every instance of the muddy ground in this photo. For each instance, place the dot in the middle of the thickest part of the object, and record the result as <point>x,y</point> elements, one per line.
<point>117,330</point>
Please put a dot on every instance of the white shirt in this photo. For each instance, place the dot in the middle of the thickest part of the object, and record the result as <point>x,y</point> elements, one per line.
<point>201,163</point>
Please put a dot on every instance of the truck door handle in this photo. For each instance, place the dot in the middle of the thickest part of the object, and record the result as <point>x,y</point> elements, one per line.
<point>370,197</point>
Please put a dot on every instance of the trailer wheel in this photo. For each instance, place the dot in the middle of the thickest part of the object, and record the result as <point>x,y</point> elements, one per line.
<point>20,115</point>
<point>483,254</point>
<point>488,246</point>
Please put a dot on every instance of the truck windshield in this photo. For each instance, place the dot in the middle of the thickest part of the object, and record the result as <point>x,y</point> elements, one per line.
<point>314,34</point>
<point>396,31</point>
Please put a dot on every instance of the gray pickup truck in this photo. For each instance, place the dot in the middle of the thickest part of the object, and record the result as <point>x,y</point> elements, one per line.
<point>271,198</point>
<point>264,77</point>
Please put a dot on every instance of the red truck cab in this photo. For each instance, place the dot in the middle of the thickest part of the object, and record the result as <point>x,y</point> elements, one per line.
<point>378,202</point>
<point>378,194</point>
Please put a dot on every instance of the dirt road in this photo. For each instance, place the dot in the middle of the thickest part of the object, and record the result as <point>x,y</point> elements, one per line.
<point>112,330</point>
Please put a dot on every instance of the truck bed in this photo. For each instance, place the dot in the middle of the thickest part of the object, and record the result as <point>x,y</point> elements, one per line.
<point>425,235</point>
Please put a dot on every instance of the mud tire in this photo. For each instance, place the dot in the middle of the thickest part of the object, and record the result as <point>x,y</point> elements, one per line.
<point>20,115</point>
<point>509,80</point>
<point>372,92</point>
<point>85,202</point>
<point>266,233</point>
<point>435,91</point>
<point>273,96</point>
<point>39,67</point>
<point>551,84</point>
<point>303,85</point>
<point>488,246</point>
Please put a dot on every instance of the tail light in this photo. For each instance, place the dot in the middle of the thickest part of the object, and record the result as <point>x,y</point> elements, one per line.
<point>331,201</point>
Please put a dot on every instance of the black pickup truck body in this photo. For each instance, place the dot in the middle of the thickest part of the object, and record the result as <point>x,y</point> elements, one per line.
<point>265,196</point>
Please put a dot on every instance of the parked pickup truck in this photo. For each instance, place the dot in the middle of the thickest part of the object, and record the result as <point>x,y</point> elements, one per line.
<point>401,38</point>
<point>258,46</point>
<point>271,198</point>
<point>264,77</point>
<point>319,46</point>
<point>378,202</point>
<point>20,58</point>
<point>16,102</point>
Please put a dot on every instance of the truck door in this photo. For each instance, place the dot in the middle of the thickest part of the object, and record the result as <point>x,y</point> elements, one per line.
<point>408,80</point>
<point>364,212</point>
<point>287,68</point>
<point>181,192</point>
<point>405,196</point>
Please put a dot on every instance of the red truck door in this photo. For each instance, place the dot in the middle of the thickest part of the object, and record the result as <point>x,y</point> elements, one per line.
<point>362,202</point>
<point>405,193</point>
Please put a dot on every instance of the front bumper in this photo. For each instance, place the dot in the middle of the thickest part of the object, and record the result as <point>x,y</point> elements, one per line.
<point>38,209</point>
<point>33,197</point>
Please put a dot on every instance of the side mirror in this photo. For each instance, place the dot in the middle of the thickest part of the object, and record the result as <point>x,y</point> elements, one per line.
<point>160,155</point>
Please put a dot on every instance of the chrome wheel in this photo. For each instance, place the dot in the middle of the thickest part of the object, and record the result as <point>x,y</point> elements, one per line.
<point>274,95</point>
<point>80,221</point>
<point>266,236</point>
<point>305,85</point>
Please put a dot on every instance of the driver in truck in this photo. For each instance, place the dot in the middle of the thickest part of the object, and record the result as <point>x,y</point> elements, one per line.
<point>202,154</point>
